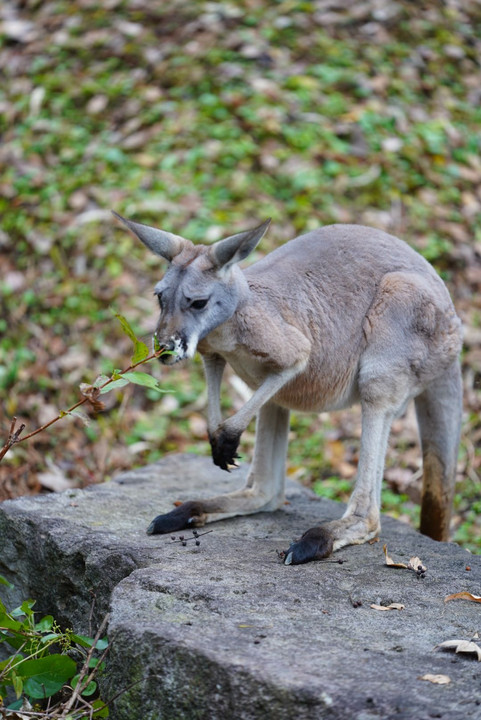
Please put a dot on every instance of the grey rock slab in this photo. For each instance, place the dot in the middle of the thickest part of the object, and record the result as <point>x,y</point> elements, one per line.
<point>225,630</point>
<point>69,550</point>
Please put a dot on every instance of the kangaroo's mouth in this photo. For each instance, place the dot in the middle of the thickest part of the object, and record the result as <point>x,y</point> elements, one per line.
<point>174,350</point>
<point>169,358</point>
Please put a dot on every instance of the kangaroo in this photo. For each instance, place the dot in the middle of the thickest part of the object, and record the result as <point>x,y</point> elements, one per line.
<point>341,315</point>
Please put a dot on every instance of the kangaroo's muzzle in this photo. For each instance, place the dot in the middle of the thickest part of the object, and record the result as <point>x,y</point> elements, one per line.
<point>174,348</point>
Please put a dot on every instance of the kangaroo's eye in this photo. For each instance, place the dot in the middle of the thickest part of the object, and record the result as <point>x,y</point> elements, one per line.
<point>158,295</point>
<point>198,304</point>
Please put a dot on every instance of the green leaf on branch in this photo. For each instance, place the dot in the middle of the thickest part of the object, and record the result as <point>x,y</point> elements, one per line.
<point>4,581</point>
<point>100,709</point>
<point>89,689</point>
<point>87,642</point>
<point>17,683</point>
<point>24,609</point>
<point>43,677</point>
<point>141,350</point>
<point>115,384</point>
<point>141,378</point>
<point>50,636</point>
<point>8,623</point>
<point>45,624</point>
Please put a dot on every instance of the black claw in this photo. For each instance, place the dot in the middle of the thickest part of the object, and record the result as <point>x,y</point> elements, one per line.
<point>315,544</point>
<point>187,515</point>
<point>224,448</point>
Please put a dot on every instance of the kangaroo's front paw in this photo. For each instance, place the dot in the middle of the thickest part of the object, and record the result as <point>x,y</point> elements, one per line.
<point>224,446</point>
<point>187,515</point>
<point>315,544</point>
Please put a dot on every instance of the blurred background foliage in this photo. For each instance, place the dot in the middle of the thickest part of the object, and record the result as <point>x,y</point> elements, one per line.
<point>205,118</point>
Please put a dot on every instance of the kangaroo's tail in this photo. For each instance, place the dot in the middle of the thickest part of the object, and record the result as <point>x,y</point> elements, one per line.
<point>439,410</point>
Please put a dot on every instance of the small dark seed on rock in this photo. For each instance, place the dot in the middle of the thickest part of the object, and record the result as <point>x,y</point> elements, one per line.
<point>181,537</point>
<point>197,542</point>
<point>184,542</point>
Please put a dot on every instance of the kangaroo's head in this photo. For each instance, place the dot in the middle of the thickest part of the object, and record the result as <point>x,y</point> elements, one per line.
<point>201,288</point>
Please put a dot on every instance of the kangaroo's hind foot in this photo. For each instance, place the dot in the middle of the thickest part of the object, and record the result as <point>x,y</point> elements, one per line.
<point>316,544</point>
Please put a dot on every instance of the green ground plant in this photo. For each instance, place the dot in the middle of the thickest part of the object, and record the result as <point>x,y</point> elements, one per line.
<point>52,672</point>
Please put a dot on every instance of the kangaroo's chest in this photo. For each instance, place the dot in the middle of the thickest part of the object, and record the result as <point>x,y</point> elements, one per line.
<point>250,369</point>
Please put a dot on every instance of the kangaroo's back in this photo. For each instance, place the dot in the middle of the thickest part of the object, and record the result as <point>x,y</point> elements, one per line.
<point>336,259</point>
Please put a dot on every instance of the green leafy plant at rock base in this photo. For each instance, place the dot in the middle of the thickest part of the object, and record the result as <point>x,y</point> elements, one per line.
<point>46,680</point>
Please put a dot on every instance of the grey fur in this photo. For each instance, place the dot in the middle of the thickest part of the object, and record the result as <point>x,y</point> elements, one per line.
<point>344,314</point>
<point>160,242</point>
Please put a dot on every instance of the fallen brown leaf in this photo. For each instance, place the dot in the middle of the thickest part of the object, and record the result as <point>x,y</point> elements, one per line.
<point>390,561</point>
<point>463,596</point>
<point>436,679</point>
<point>416,565</point>
<point>461,646</point>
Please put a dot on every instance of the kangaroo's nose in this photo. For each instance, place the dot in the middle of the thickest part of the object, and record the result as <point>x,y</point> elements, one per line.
<point>169,345</point>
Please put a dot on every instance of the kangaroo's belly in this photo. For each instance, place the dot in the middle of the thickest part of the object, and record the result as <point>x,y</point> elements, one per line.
<point>320,387</point>
<point>320,393</point>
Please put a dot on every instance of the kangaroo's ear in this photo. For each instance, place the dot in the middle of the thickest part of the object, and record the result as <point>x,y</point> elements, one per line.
<point>236,247</point>
<point>161,243</point>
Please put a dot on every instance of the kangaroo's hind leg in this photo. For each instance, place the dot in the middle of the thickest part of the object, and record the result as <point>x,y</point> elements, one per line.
<point>264,490</point>
<point>362,519</point>
<point>413,340</point>
<point>438,410</point>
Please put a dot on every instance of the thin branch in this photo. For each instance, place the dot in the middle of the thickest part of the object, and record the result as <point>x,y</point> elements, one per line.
<point>14,435</point>
<point>77,690</point>
<point>55,419</point>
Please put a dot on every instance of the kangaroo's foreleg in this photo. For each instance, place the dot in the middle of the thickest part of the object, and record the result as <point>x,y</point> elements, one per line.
<point>225,438</point>
<point>214,369</point>
<point>264,490</point>
<point>438,410</point>
<point>361,521</point>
